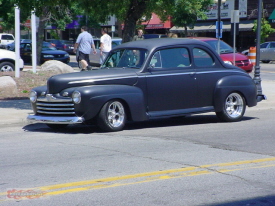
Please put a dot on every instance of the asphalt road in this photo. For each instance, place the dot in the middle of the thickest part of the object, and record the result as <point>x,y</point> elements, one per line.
<point>195,160</point>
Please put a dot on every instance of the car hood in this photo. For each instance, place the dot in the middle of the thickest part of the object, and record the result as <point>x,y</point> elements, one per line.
<point>60,82</point>
<point>230,57</point>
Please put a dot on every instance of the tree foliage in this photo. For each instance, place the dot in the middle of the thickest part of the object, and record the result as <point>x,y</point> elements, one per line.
<point>266,29</point>
<point>131,12</point>
<point>186,16</point>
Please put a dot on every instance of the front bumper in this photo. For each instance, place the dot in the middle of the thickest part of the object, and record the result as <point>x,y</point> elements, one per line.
<point>54,119</point>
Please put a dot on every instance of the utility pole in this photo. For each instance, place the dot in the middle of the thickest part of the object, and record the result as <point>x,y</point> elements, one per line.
<point>257,77</point>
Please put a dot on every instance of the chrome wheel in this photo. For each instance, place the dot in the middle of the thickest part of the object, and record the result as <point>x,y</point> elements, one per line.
<point>116,114</point>
<point>234,105</point>
<point>112,116</point>
<point>233,109</point>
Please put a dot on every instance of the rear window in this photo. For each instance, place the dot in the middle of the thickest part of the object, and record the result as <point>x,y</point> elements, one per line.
<point>7,37</point>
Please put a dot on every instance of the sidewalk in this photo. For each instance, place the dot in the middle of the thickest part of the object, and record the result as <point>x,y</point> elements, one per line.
<point>16,111</point>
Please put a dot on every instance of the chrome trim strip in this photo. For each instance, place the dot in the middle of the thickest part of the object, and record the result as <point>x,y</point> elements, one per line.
<point>55,120</point>
<point>54,105</point>
<point>51,98</point>
<point>103,79</point>
<point>58,113</point>
<point>55,109</point>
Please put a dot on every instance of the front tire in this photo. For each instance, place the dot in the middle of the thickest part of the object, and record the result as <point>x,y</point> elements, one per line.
<point>233,108</point>
<point>6,67</point>
<point>112,116</point>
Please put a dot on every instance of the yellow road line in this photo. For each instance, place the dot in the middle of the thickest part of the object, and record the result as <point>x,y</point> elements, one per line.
<point>59,189</point>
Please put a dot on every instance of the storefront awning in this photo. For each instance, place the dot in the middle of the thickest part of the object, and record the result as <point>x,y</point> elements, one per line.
<point>272,17</point>
<point>211,27</point>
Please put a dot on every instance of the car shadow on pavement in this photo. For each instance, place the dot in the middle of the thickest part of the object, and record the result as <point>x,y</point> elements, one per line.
<point>169,122</point>
<point>257,201</point>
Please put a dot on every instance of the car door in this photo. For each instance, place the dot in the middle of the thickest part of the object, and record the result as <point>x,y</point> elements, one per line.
<point>270,51</point>
<point>26,51</point>
<point>171,83</point>
<point>208,72</point>
<point>264,51</point>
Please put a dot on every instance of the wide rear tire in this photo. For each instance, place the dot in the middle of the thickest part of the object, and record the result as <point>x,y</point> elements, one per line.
<point>234,107</point>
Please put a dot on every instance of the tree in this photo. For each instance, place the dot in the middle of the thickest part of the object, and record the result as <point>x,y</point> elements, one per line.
<point>132,11</point>
<point>187,15</point>
<point>266,29</point>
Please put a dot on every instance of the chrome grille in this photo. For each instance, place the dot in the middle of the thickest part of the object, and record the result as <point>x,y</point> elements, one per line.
<point>51,105</point>
<point>242,63</point>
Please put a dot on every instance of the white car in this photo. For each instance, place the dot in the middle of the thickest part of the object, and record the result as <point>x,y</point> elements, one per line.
<point>7,61</point>
<point>5,39</point>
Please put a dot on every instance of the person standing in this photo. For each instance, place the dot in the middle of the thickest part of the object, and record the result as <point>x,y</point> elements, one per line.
<point>84,44</point>
<point>139,36</point>
<point>105,45</point>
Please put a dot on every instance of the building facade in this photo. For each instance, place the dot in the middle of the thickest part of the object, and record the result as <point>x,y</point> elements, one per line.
<point>248,13</point>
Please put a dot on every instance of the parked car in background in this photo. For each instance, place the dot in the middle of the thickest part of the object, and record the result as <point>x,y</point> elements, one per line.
<point>11,46</point>
<point>94,59</point>
<point>227,53</point>
<point>65,45</point>
<point>7,61</point>
<point>49,52</point>
<point>5,39</point>
<point>150,36</point>
<point>145,80</point>
<point>267,52</point>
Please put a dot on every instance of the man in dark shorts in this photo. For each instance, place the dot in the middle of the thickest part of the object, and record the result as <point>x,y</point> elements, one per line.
<point>84,45</point>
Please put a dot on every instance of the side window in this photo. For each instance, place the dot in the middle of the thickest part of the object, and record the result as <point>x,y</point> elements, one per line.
<point>171,58</point>
<point>202,58</point>
<point>272,45</point>
<point>264,45</point>
<point>28,47</point>
<point>97,44</point>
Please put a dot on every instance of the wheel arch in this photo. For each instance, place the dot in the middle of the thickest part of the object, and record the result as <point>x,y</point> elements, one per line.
<point>243,85</point>
<point>95,97</point>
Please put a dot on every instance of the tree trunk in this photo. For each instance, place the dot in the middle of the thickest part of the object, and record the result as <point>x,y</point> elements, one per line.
<point>134,13</point>
<point>40,32</point>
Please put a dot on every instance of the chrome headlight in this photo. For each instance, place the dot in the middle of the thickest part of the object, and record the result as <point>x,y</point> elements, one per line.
<point>76,97</point>
<point>228,62</point>
<point>67,55</point>
<point>33,96</point>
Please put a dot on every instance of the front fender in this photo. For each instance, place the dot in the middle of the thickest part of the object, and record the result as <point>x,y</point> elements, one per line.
<point>94,97</point>
<point>241,84</point>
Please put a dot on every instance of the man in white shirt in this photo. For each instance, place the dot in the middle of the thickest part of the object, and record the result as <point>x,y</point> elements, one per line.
<point>84,44</point>
<point>105,45</point>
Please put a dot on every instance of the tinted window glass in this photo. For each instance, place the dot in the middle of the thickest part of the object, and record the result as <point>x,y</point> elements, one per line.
<point>170,58</point>
<point>126,58</point>
<point>7,37</point>
<point>264,45</point>
<point>224,47</point>
<point>272,45</point>
<point>202,58</point>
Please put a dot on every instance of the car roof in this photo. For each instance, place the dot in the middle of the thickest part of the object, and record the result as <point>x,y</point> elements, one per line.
<point>203,38</point>
<point>151,44</point>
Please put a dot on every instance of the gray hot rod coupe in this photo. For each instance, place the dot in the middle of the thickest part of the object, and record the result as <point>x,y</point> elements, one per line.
<point>144,80</point>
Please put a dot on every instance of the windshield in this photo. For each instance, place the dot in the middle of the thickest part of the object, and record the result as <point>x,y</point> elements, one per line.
<point>224,47</point>
<point>47,46</point>
<point>126,58</point>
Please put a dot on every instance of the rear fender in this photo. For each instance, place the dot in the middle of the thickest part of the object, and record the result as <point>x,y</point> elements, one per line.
<point>243,85</point>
